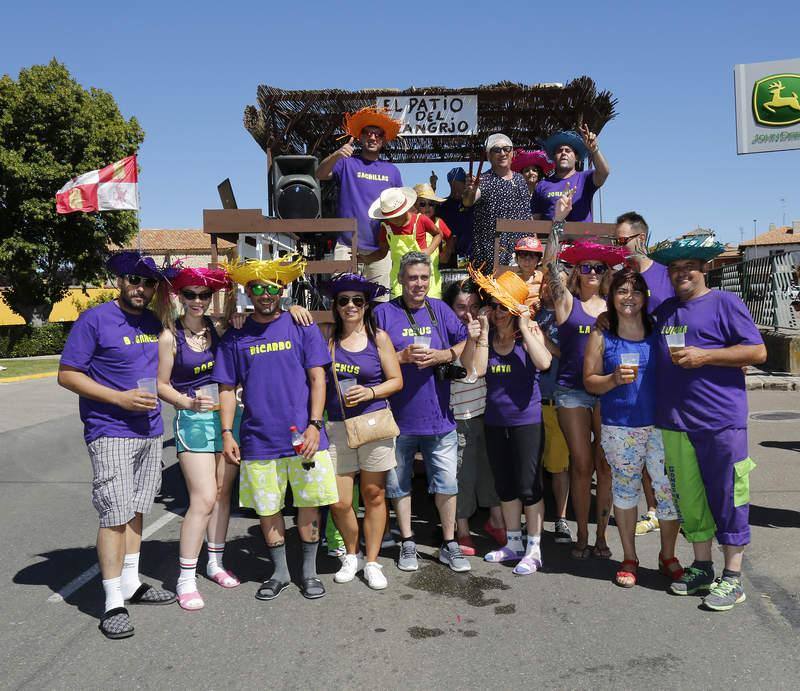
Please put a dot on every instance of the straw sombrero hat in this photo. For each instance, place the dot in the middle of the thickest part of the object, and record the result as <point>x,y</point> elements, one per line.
<point>571,138</point>
<point>425,191</point>
<point>525,159</point>
<point>586,250</point>
<point>703,248</point>
<point>508,288</point>
<point>216,279</point>
<point>280,271</point>
<point>393,202</point>
<point>355,122</point>
<point>355,282</point>
<point>131,262</point>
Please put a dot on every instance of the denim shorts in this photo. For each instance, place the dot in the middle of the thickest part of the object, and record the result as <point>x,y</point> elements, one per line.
<point>574,398</point>
<point>440,453</point>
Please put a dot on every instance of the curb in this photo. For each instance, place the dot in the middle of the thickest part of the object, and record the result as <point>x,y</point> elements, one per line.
<point>25,377</point>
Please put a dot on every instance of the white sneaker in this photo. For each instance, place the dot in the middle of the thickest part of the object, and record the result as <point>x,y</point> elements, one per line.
<point>373,572</point>
<point>351,564</point>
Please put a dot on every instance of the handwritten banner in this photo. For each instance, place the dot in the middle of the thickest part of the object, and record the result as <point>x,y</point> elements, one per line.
<point>432,115</point>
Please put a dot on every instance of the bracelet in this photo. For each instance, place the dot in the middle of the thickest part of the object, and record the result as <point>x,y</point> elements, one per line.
<point>374,395</point>
<point>227,429</point>
<point>483,345</point>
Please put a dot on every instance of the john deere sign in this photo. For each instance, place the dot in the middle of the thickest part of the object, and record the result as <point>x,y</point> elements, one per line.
<point>768,106</point>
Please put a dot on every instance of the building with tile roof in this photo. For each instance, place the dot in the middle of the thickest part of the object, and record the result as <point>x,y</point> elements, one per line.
<point>777,240</point>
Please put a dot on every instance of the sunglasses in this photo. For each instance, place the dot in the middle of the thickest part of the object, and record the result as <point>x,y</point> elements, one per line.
<point>500,150</point>
<point>190,295</point>
<point>586,269</point>
<point>422,204</point>
<point>135,280</point>
<point>498,306</point>
<point>373,133</point>
<point>345,300</point>
<point>259,289</point>
<point>620,241</point>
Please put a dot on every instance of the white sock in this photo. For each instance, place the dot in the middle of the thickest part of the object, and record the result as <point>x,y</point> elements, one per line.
<point>130,575</point>
<point>215,551</point>
<point>514,540</point>
<point>533,547</point>
<point>187,581</point>
<point>113,592</point>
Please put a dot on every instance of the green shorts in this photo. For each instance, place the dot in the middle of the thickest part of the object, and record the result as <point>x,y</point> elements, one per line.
<point>201,432</point>
<point>262,484</point>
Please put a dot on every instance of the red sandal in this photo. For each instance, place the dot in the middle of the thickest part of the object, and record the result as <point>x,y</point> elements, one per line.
<point>671,568</point>
<point>624,575</point>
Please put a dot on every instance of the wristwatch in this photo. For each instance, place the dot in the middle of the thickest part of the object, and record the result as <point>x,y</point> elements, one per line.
<point>319,424</point>
<point>227,429</point>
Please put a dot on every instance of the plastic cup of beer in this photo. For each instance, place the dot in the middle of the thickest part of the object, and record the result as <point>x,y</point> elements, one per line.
<point>344,386</point>
<point>148,385</point>
<point>210,391</point>
<point>424,341</point>
<point>675,342</point>
<point>630,361</point>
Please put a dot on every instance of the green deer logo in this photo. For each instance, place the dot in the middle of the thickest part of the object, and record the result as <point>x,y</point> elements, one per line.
<point>771,104</point>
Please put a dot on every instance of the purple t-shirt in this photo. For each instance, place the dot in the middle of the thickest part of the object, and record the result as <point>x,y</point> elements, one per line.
<point>360,184</point>
<point>270,362</point>
<point>512,389</point>
<point>659,287</point>
<point>116,349</point>
<point>422,406</point>
<point>191,368</point>
<point>573,335</point>
<point>550,189</point>
<point>709,397</point>
<point>365,367</point>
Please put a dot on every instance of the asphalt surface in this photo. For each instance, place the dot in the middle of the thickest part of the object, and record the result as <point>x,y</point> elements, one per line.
<point>566,627</point>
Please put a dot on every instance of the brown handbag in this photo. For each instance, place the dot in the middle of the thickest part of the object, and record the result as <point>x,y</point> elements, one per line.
<point>363,429</point>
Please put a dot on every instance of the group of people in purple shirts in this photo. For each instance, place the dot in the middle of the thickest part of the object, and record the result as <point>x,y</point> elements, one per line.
<point>642,363</point>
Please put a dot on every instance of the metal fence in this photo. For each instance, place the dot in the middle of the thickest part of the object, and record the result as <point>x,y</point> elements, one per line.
<point>767,286</point>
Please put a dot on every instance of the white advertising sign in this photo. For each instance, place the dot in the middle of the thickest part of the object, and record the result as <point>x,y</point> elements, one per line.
<point>432,115</point>
<point>767,106</point>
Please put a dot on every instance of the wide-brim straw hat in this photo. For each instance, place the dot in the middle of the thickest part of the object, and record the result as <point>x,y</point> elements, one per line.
<point>703,248</point>
<point>425,191</point>
<point>393,202</point>
<point>356,283</point>
<point>525,159</point>
<point>586,250</point>
<point>216,279</point>
<point>508,288</point>
<point>281,271</point>
<point>131,262</point>
<point>571,138</point>
<point>374,117</point>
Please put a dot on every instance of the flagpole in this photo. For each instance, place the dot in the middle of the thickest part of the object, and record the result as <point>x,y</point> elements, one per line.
<point>138,212</point>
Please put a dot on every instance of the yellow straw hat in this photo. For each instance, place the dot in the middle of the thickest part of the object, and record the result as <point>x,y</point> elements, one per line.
<point>508,288</point>
<point>281,271</point>
<point>425,191</point>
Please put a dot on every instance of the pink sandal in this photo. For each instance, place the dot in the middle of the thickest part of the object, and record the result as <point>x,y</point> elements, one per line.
<point>226,579</point>
<point>191,601</point>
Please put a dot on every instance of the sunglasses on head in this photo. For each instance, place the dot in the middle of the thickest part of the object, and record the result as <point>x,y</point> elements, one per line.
<point>345,300</point>
<point>190,295</point>
<point>586,269</point>
<point>135,280</point>
<point>270,288</point>
<point>500,150</point>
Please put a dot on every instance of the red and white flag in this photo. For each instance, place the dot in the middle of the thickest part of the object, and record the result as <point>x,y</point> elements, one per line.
<point>109,189</point>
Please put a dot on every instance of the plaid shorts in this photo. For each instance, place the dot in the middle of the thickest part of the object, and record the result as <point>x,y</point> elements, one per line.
<point>126,477</point>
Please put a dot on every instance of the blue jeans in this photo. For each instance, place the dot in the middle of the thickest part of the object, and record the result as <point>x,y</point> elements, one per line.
<point>440,453</point>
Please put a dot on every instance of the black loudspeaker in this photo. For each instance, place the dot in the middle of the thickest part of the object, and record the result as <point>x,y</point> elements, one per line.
<point>295,188</point>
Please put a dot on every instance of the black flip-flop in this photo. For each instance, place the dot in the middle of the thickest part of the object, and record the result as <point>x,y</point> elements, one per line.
<point>147,594</point>
<point>270,589</point>
<point>312,588</point>
<point>116,624</point>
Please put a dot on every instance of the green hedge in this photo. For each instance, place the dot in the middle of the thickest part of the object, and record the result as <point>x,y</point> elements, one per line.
<point>27,341</point>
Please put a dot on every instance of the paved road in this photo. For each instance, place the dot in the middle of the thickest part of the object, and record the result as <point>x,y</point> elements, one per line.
<point>566,627</point>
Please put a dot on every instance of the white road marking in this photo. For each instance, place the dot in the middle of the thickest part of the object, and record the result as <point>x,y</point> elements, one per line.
<point>92,571</point>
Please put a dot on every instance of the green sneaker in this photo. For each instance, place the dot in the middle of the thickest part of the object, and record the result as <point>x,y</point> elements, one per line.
<point>724,594</point>
<point>693,581</point>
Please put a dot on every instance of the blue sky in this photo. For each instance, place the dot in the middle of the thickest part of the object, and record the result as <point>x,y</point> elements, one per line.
<point>187,70</point>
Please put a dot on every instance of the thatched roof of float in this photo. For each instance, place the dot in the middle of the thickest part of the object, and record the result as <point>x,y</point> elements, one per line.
<point>296,122</point>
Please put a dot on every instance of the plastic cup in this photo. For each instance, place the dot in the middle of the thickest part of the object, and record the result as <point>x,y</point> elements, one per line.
<point>210,391</point>
<point>630,361</point>
<point>148,385</point>
<point>344,386</point>
<point>424,341</point>
<point>675,342</point>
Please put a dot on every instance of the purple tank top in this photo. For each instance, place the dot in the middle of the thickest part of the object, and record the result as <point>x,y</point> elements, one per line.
<point>363,366</point>
<point>192,369</point>
<point>573,335</point>
<point>512,389</point>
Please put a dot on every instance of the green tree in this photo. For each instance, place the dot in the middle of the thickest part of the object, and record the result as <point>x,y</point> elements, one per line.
<point>52,129</point>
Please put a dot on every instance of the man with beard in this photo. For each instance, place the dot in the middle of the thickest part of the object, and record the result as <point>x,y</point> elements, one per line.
<point>111,350</point>
<point>281,367</point>
<point>566,149</point>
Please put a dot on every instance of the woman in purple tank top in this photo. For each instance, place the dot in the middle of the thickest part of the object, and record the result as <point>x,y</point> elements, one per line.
<point>578,300</point>
<point>367,368</point>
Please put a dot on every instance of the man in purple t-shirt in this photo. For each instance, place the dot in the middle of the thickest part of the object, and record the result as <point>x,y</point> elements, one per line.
<point>281,367</point>
<point>566,149</point>
<point>111,350</point>
<point>361,179</point>
<point>422,408</point>
<point>707,337</point>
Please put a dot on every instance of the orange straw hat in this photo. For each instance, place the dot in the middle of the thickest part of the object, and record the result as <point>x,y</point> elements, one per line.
<point>508,288</point>
<point>355,122</point>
